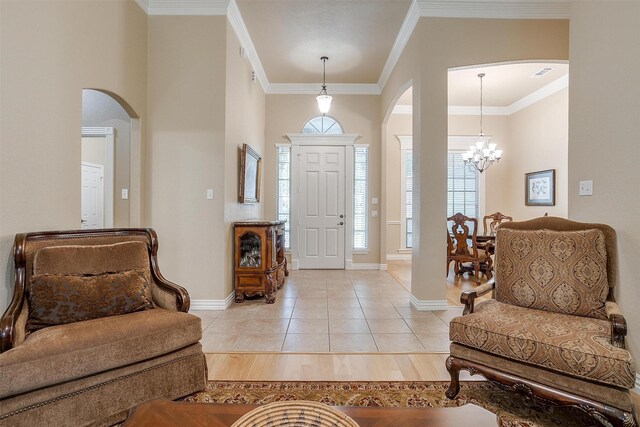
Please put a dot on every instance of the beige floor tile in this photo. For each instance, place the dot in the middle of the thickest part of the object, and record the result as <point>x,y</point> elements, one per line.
<point>228,326</point>
<point>312,293</point>
<point>310,313</point>
<point>375,302</point>
<point>272,311</point>
<point>308,326</point>
<point>346,292</point>
<point>435,342</point>
<point>397,342</point>
<point>343,302</point>
<point>412,313</point>
<point>449,314</point>
<point>352,343</point>
<point>306,342</point>
<point>380,313</point>
<point>212,343</point>
<point>388,326</point>
<point>284,302</point>
<point>348,326</point>
<point>345,313</point>
<point>260,342</point>
<point>238,313</point>
<point>428,326</point>
<point>272,326</point>
<point>311,302</point>
<point>370,293</point>
<point>338,282</point>
<point>337,274</point>
<point>315,274</point>
<point>404,302</point>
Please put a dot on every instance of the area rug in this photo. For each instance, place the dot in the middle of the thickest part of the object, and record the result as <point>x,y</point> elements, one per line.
<point>511,409</point>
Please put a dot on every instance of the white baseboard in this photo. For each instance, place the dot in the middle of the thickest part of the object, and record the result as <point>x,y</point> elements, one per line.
<point>383,267</point>
<point>637,388</point>
<point>429,305</point>
<point>399,257</point>
<point>212,304</point>
<point>350,265</point>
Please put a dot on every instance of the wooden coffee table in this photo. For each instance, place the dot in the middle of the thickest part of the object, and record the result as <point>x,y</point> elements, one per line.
<point>162,412</point>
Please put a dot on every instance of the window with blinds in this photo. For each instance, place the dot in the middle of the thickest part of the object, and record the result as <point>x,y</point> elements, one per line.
<point>408,197</point>
<point>284,190</point>
<point>462,186</point>
<point>360,197</point>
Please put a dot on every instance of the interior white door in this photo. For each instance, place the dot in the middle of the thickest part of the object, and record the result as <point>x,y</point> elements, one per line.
<point>92,198</point>
<point>321,207</point>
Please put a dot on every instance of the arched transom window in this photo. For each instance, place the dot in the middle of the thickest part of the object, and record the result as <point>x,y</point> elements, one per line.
<point>323,124</point>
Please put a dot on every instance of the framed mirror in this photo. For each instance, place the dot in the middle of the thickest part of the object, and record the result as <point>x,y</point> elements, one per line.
<point>249,175</point>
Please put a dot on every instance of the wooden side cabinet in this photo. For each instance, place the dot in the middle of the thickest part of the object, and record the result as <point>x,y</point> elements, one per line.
<point>260,266</point>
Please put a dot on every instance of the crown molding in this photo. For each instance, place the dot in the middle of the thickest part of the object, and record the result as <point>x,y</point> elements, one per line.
<point>144,5</point>
<point>314,89</point>
<point>539,94</point>
<point>185,7</point>
<point>237,23</point>
<point>458,110</point>
<point>406,29</point>
<point>518,9</point>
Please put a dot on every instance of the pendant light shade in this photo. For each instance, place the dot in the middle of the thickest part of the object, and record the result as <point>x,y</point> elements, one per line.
<point>324,100</point>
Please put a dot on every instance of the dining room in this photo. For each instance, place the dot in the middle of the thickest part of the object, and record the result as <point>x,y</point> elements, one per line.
<point>506,160</point>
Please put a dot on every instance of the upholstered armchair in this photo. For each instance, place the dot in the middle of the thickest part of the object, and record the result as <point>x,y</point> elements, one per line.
<point>553,330</point>
<point>93,329</point>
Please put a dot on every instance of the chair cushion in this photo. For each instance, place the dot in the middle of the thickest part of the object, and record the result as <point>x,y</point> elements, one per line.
<point>564,272</point>
<point>572,345</point>
<point>76,350</point>
<point>75,283</point>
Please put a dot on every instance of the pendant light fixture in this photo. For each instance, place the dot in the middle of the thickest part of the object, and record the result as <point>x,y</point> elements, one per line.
<point>482,154</point>
<point>324,100</point>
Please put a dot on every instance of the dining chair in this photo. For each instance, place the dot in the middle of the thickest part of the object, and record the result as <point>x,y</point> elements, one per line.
<point>496,219</point>
<point>462,247</point>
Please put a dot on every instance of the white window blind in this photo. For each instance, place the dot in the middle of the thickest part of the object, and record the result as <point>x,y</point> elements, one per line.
<point>360,196</point>
<point>462,187</point>
<point>408,197</point>
<point>284,190</point>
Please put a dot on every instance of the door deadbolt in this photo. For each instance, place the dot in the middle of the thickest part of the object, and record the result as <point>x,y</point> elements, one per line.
<point>341,216</point>
<point>341,223</point>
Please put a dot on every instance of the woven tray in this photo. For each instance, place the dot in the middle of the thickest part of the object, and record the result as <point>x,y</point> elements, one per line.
<point>297,413</point>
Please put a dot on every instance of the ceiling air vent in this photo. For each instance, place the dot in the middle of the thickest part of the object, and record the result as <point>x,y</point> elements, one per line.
<point>540,73</point>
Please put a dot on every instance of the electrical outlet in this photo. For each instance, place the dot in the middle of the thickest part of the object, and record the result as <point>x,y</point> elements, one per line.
<point>210,194</point>
<point>586,188</point>
<point>125,193</point>
<point>374,214</point>
<point>374,201</point>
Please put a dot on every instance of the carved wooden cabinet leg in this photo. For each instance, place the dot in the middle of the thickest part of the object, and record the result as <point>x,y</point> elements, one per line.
<point>453,366</point>
<point>614,417</point>
<point>239,296</point>
<point>286,269</point>
<point>270,296</point>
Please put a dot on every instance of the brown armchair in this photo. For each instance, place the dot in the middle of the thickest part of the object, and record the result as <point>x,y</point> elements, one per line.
<point>67,358</point>
<point>552,330</point>
<point>464,231</point>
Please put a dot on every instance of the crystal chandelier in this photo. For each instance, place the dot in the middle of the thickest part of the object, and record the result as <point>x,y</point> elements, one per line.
<point>324,100</point>
<point>482,154</point>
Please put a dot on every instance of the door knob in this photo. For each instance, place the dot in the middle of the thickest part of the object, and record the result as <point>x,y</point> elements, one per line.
<point>341,223</point>
<point>341,216</point>
<point>82,221</point>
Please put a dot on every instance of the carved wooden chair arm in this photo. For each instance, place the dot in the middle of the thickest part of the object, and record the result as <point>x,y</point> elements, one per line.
<point>468,297</point>
<point>618,323</point>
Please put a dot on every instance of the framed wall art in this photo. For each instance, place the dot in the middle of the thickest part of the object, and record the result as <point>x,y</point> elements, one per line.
<point>249,175</point>
<point>540,188</point>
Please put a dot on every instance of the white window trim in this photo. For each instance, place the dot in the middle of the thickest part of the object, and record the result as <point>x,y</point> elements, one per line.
<point>302,139</point>
<point>461,143</point>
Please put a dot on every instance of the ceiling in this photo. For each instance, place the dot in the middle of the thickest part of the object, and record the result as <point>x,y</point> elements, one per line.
<point>291,36</point>
<point>502,85</point>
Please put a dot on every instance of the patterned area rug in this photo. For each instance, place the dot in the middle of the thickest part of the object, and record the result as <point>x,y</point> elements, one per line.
<point>511,410</point>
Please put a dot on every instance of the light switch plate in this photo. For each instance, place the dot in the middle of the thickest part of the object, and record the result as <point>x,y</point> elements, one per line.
<point>586,188</point>
<point>210,194</point>
<point>125,193</point>
<point>374,201</point>
<point>374,214</point>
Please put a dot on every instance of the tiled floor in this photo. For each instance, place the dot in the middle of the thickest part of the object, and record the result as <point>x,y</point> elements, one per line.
<point>329,311</point>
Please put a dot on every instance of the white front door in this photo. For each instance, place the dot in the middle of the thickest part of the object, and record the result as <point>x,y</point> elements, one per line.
<point>92,198</point>
<point>322,207</point>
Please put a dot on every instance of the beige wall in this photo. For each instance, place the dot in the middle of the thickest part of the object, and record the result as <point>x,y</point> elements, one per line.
<point>358,114</point>
<point>50,52</point>
<point>186,149</point>
<point>538,140</point>
<point>245,123</point>
<point>93,150</point>
<point>604,107</point>
<point>436,45</point>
